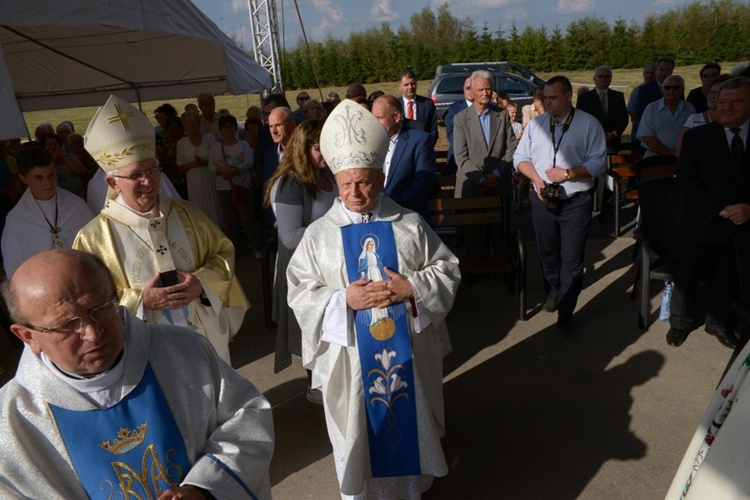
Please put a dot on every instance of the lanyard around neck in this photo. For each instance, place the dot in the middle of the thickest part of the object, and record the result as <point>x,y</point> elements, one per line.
<point>565,128</point>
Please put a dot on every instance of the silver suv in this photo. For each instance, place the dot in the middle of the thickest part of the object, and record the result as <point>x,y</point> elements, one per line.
<point>447,88</point>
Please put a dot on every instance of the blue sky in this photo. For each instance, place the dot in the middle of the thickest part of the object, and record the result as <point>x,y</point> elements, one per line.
<point>341,17</point>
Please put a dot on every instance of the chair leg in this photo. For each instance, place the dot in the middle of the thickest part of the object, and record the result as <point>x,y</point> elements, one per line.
<point>616,194</point>
<point>636,280</point>
<point>643,309</point>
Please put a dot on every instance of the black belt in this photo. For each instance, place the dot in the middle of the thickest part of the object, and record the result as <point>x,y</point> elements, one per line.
<point>575,196</point>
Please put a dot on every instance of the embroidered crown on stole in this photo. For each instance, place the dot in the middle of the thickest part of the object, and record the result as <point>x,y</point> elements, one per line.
<point>126,439</point>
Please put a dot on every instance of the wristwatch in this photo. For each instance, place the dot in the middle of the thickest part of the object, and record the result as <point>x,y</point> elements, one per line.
<point>567,174</point>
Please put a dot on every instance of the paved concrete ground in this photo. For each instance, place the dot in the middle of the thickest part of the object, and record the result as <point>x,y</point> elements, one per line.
<point>530,414</point>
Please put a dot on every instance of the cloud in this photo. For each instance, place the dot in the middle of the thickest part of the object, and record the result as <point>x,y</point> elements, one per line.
<point>327,11</point>
<point>239,6</point>
<point>574,6</point>
<point>331,19</point>
<point>382,11</point>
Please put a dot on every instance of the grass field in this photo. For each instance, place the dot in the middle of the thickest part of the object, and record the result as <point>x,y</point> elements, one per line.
<point>623,79</point>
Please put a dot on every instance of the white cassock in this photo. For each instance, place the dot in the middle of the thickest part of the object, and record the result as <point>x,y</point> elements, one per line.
<point>224,421</point>
<point>96,193</point>
<point>28,226</point>
<point>317,281</point>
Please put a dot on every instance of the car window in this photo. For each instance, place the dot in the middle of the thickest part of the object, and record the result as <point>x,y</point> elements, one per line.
<point>453,85</point>
<point>513,86</point>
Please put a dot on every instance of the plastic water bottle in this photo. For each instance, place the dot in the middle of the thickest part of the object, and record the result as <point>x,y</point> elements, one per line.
<point>666,299</point>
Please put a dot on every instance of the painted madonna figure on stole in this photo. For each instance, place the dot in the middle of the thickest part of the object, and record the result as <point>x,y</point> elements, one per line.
<point>371,284</point>
<point>171,263</point>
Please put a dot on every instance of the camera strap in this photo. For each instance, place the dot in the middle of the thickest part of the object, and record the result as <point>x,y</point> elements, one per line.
<point>566,126</point>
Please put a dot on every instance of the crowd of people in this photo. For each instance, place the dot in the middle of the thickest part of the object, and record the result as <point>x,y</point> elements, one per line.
<point>132,231</point>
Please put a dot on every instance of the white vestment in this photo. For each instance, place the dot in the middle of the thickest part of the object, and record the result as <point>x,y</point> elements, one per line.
<point>217,412</point>
<point>119,236</point>
<point>27,227</point>
<point>717,461</point>
<point>316,275</point>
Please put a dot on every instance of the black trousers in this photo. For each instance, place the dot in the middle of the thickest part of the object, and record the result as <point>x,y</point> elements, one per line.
<point>562,245</point>
<point>700,262</point>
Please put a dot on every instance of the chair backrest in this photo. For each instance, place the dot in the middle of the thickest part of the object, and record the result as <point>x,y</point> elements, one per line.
<point>660,208</point>
<point>655,167</point>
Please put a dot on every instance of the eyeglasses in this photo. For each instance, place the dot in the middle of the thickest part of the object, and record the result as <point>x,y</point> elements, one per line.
<point>709,75</point>
<point>672,87</point>
<point>74,326</point>
<point>139,176</point>
<point>303,99</point>
<point>315,147</point>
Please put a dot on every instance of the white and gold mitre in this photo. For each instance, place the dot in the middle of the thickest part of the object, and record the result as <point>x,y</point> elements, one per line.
<point>119,135</point>
<point>353,138</point>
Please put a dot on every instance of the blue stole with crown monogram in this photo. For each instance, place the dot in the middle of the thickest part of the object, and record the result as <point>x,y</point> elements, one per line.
<point>385,356</point>
<point>130,450</point>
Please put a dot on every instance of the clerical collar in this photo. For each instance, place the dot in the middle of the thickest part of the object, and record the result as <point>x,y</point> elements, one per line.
<point>152,212</point>
<point>355,216</point>
<point>91,383</point>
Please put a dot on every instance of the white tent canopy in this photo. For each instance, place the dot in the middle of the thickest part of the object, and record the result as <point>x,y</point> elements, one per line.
<point>78,52</point>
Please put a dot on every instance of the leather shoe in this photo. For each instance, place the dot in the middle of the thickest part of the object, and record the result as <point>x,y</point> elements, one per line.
<point>727,339</point>
<point>550,306</point>
<point>676,336</point>
<point>565,326</point>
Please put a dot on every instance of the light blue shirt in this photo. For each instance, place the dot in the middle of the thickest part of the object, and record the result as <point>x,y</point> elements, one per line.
<point>583,145</point>
<point>658,121</point>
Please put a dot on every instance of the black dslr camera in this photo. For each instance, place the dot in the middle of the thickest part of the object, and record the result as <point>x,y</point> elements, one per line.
<point>551,194</point>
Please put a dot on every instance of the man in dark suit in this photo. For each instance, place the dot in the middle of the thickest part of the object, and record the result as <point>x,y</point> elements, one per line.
<point>453,110</point>
<point>713,175</point>
<point>417,108</point>
<point>607,106</point>
<point>410,163</point>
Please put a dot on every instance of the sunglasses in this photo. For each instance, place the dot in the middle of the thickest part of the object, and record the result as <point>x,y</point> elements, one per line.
<point>672,87</point>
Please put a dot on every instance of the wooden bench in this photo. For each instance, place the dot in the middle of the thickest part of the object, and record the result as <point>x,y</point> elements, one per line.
<point>449,215</point>
<point>620,167</point>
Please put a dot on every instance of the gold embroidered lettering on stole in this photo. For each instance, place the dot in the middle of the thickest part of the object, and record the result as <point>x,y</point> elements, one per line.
<point>152,473</point>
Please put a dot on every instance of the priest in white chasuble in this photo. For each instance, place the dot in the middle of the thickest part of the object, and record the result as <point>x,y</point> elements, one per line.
<point>104,406</point>
<point>171,264</point>
<point>371,284</point>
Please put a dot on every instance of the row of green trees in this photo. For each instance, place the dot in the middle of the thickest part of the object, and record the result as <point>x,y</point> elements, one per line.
<point>692,34</point>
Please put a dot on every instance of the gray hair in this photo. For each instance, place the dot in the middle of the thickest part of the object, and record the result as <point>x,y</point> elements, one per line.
<point>192,114</point>
<point>675,78</point>
<point>733,84</point>
<point>481,73</point>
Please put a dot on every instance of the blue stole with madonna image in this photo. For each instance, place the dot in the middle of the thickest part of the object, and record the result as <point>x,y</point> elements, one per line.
<point>130,450</point>
<point>385,356</point>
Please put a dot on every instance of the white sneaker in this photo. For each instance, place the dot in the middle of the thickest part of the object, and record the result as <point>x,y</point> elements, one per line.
<point>314,396</point>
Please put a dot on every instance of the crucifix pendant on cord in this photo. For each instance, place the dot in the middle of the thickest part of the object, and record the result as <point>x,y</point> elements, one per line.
<point>56,240</point>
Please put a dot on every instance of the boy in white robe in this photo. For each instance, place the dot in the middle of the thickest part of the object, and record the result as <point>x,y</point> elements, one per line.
<point>45,217</point>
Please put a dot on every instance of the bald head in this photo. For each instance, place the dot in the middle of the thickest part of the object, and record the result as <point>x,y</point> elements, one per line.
<point>54,276</point>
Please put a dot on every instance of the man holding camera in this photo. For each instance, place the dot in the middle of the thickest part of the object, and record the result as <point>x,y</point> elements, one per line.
<point>561,152</point>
